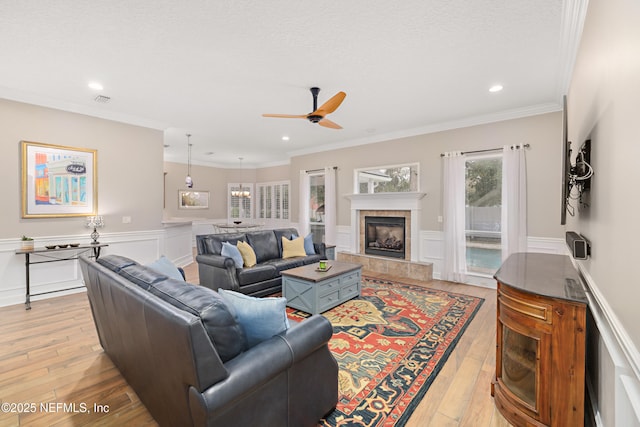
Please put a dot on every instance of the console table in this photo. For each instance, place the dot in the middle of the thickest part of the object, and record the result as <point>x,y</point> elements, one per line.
<point>53,255</point>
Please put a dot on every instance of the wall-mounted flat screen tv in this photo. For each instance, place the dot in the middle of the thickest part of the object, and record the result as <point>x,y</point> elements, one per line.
<point>566,164</point>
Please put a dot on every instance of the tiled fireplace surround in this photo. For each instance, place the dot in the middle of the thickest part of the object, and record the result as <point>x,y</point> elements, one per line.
<point>405,205</point>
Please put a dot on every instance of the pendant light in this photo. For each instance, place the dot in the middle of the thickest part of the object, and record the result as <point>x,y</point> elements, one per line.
<point>241,192</point>
<point>188,181</point>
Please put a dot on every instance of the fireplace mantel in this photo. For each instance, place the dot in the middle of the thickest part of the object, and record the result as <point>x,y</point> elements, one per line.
<point>409,201</point>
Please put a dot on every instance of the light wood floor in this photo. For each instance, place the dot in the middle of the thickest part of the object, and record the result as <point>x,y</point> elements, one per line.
<point>50,356</point>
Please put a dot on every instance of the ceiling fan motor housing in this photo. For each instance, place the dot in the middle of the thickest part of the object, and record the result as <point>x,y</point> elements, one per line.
<point>314,118</point>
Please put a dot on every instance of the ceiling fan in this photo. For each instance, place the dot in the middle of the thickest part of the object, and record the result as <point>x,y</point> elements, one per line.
<point>318,115</point>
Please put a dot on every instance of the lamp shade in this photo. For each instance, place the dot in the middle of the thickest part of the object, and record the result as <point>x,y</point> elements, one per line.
<point>95,221</point>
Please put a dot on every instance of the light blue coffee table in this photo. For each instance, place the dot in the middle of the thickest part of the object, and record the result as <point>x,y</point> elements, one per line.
<point>313,291</point>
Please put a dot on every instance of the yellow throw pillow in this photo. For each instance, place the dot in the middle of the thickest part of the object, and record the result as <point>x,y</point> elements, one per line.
<point>293,248</point>
<point>248,255</point>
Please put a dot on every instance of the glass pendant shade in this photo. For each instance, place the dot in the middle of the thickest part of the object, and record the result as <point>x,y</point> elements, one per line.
<point>188,180</point>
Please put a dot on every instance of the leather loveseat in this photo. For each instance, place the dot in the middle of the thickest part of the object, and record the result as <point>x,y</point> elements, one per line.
<point>181,349</point>
<point>217,271</point>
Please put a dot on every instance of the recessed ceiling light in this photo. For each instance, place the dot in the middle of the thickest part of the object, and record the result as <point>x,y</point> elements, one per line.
<point>495,88</point>
<point>209,153</point>
<point>95,86</point>
<point>285,138</point>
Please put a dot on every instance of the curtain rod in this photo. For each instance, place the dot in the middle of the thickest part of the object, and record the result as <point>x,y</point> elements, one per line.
<point>487,150</point>
<point>319,170</point>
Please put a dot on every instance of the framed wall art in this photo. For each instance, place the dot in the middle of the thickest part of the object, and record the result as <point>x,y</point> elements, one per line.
<point>188,199</point>
<point>58,181</point>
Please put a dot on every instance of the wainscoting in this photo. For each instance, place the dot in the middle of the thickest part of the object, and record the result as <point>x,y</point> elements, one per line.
<point>144,246</point>
<point>613,364</point>
<point>431,249</point>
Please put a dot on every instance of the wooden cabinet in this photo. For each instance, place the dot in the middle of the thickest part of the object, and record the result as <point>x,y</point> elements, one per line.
<point>540,341</point>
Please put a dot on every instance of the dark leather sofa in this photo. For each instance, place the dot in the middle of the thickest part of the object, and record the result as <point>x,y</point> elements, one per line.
<point>217,271</point>
<point>180,348</point>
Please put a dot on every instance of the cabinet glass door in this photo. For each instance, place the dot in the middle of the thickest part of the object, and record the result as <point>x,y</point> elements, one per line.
<point>519,365</point>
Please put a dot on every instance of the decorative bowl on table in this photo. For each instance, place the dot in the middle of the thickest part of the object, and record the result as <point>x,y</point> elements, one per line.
<point>74,245</point>
<point>237,222</point>
<point>50,246</point>
<point>62,246</point>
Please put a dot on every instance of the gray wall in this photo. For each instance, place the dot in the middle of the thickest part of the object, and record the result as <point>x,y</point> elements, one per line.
<point>214,180</point>
<point>209,179</point>
<point>603,105</point>
<point>129,169</point>
<point>543,132</point>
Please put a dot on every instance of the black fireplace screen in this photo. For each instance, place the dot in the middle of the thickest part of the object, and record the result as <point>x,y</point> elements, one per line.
<point>385,236</point>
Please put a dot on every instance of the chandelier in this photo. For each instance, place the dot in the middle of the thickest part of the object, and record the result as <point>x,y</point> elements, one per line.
<point>241,192</point>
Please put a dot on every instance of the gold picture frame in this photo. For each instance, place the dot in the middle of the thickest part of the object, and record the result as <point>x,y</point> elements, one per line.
<point>189,199</point>
<point>58,181</point>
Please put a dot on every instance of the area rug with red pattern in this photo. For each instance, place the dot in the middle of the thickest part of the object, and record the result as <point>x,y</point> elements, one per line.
<point>390,343</point>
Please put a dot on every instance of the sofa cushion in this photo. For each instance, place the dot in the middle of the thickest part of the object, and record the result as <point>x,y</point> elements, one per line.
<point>286,263</point>
<point>289,233</point>
<point>164,266</point>
<point>257,273</point>
<point>213,243</point>
<point>264,244</point>
<point>293,248</point>
<point>115,262</point>
<point>218,317</point>
<point>248,255</point>
<point>142,276</point>
<point>308,245</point>
<point>310,259</point>
<point>261,318</point>
<point>233,252</point>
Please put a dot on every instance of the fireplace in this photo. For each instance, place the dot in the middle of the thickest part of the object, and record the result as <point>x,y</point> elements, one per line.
<point>385,236</point>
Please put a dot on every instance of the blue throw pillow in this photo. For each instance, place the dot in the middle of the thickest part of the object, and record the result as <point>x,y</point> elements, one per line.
<point>164,266</point>
<point>231,251</point>
<point>308,245</point>
<point>261,318</point>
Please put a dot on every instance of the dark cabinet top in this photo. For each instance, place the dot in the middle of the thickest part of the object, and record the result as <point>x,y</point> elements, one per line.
<point>548,275</point>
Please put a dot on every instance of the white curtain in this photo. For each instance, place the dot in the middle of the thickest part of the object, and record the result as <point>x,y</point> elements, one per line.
<point>454,266</point>
<point>304,212</point>
<point>514,200</point>
<point>330,203</point>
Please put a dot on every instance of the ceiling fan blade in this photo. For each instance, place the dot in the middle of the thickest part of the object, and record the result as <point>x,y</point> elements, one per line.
<point>286,116</point>
<point>331,105</point>
<point>329,124</point>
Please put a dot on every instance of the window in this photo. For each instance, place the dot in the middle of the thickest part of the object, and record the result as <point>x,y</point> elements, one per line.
<point>483,223</point>
<point>387,179</point>
<point>239,201</point>
<point>273,201</point>
<point>316,206</point>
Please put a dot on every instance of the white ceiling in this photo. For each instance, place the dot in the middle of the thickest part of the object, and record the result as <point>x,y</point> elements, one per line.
<point>211,68</point>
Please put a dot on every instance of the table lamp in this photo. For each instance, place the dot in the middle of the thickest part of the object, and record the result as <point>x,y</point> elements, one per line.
<point>95,222</point>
